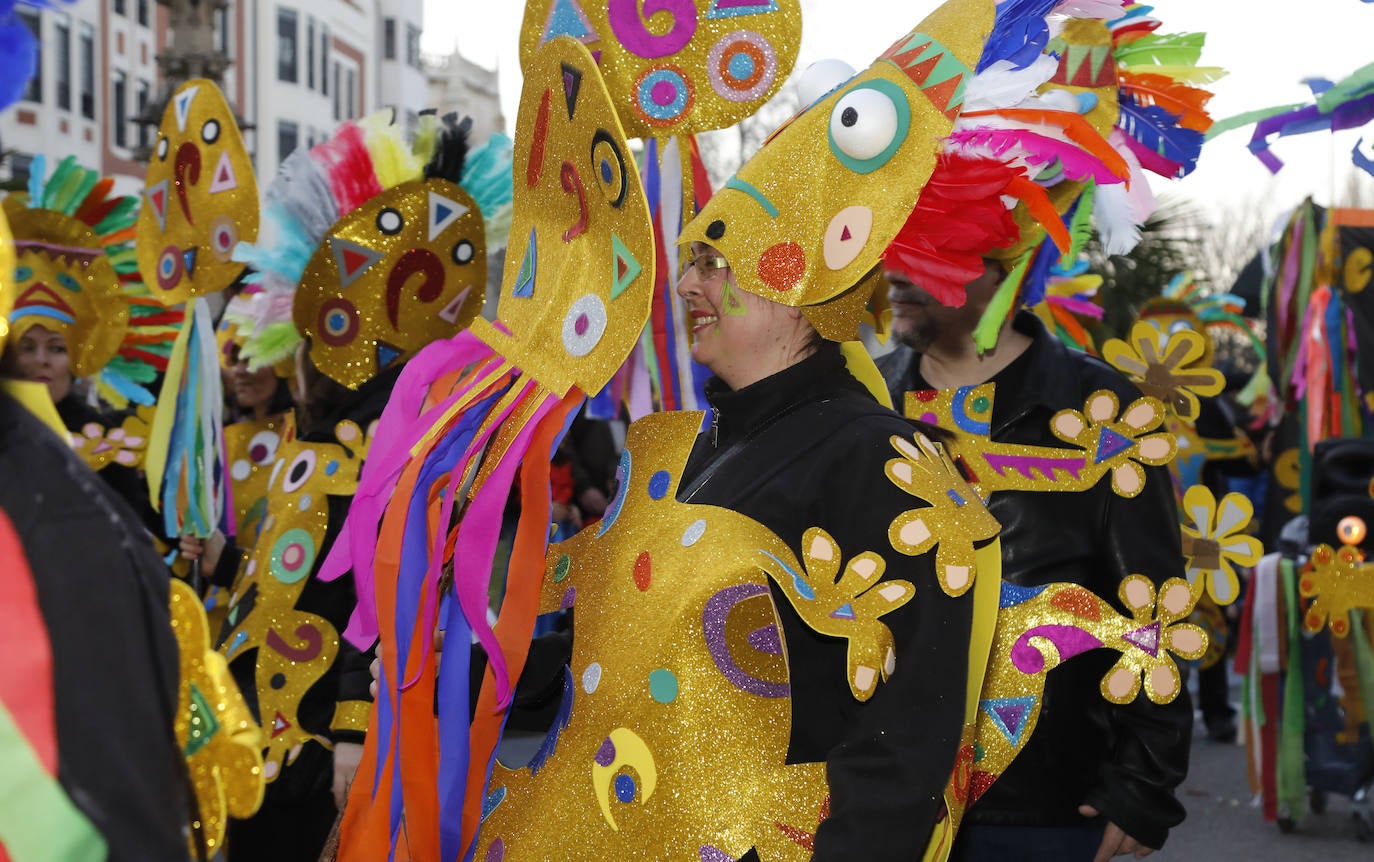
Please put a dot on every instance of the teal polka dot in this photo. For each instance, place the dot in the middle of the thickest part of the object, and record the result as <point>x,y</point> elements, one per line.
<point>663,685</point>
<point>980,405</point>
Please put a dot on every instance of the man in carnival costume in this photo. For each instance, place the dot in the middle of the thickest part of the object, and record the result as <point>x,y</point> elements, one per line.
<point>1078,114</point>
<point>371,248</point>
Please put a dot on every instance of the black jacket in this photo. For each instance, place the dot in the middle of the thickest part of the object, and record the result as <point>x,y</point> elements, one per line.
<point>1124,760</point>
<point>888,760</point>
<point>103,594</point>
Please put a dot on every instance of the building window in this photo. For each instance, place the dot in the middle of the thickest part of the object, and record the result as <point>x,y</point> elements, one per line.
<point>34,91</point>
<point>143,13</point>
<point>20,167</point>
<point>222,30</point>
<point>87,60</point>
<point>121,7</point>
<point>121,107</point>
<point>413,46</point>
<point>389,39</point>
<point>288,138</point>
<point>350,103</point>
<point>324,60</point>
<point>338,93</point>
<point>141,100</point>
<point>62,43</point>
<point>310,52</point>
<point>287,65</point>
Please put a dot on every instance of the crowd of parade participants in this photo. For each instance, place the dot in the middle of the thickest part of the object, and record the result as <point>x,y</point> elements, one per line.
<point>302,526</point>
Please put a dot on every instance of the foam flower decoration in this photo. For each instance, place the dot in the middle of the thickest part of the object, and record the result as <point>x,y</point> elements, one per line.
<point>1146,651</point>
<point>846,604</point>
<point>99,446</point>
<point>1166,366</point>
<point>1098,429</point>
<point>948,520</point>
<point>1338,582</point>
<point>1214,542</point>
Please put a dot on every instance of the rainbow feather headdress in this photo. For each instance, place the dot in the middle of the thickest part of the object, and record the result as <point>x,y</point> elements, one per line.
<point>1073,102</point>
<point>362,214</point>
<point>77,274</point>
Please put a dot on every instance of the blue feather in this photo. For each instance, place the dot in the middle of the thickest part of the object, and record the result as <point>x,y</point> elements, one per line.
<point>18,59</point>
<point>1159,130</point>
<point>1019,33</point>
<point>38,177</point>
<point>1038,274</point>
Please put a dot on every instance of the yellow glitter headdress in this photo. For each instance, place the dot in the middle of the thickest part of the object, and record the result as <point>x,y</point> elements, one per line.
<point>375,248</point>
<point>201,195</point>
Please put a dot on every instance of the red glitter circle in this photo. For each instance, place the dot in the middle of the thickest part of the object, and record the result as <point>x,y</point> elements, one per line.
<point>643,571</point>
<point>782,266</point>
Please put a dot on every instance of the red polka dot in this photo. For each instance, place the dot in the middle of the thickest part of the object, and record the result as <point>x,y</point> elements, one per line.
<point>643,571</point>
<point>782,266</point>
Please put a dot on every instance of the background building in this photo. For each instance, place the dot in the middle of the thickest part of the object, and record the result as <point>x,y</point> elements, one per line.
<point>292,70</point>
<point>458,84</point>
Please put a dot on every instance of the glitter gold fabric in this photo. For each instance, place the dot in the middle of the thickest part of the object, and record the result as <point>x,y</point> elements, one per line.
<point>810,215</point>
<point>1214,541</point>
<point>580,265</point>
<point>681,66</point>
<point>1337,582</point>
<point>294,648</point>
<point>1101,440</point>
<point>63,282</point>
<point>213,726</point>
<point>405,268</point>
<point>676,741</point>
<point>1037,629</point>
<point>200,198</point>
<point>125,445</point>
<point>1168,362</point>
<point>7,257</point>
<point>250,451</point>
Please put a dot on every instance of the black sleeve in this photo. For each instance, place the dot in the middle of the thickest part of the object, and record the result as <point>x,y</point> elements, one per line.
<point>1150,742</point>
<point>228,566</point>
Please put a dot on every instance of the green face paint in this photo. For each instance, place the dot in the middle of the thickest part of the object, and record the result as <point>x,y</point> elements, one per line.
<point>729,300</point>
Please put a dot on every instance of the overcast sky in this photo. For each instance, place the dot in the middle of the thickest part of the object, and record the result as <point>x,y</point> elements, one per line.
<point>1323,38</point>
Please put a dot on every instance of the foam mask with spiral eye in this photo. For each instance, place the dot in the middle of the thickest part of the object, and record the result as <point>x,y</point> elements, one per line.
<point>200,197</point>
<point>808,216</point>
<point>579,274</point>
<point>62,281</point>
<point>406,268</point>
<point>681,66</point>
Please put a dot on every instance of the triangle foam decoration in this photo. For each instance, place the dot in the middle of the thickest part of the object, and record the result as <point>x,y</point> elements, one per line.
<point>188,257</point>
<point>203,722</point>
<point>1110,443</point>
<point>1009,715</point>
<point>157,199</point>
<point>524,281</point>
<point>735,8</point>
<point>442,213</point>
<point>450,312</point>
<point>1145,637</point>
<point>352,259</point>
<point>182,103</point>
<point>279,725</point>
<point>911,52</point>
<point>386,354</point>
<point>625,268</point>
<point>947,96</point>
<point>566,18</point>
<point>921,71</point>
<point>843,612</point>
<point>224,178</point>
<point>572,84</point>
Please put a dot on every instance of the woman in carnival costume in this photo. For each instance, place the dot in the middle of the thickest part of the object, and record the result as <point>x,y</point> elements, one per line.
<point>370,249</point>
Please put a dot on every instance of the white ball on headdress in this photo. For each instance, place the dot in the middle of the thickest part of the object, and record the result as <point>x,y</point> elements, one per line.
<point>821,77</point>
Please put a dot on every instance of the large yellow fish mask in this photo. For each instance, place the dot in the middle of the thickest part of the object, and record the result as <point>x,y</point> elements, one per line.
<point>61,280</point>
<point>201,197</point>
<point>406,268</point>
<point>579,272</point>
<point>682,66</point>
<point>811,214</point>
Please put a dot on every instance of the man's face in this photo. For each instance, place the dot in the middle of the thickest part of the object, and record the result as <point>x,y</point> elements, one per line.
<point>918,320</point>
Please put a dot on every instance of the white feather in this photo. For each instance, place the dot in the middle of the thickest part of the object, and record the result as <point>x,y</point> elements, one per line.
<point>1001,86</point>
<point>1107,10</point>
<point>1120,209</point>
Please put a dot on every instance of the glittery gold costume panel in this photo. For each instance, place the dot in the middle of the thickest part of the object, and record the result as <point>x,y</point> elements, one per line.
<point>580,264</point>
<point>200,197</point>
<point>1102,440</point>
<point>250,451</point>
<point>214,728</point>
<point>406,268</point>
<point>1337,582</point>
<point>294,648</point>
<point>63,282</point>
<point>1039,627</point>
<point>673,736</point>
<point>124,444</point>
<point>681,66</point>
<point>821,228</point>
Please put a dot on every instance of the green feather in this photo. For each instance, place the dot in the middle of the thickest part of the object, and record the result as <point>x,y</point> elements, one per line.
<point>1174,49</point>
<point>990,325</point>
<point>1081,228</point>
